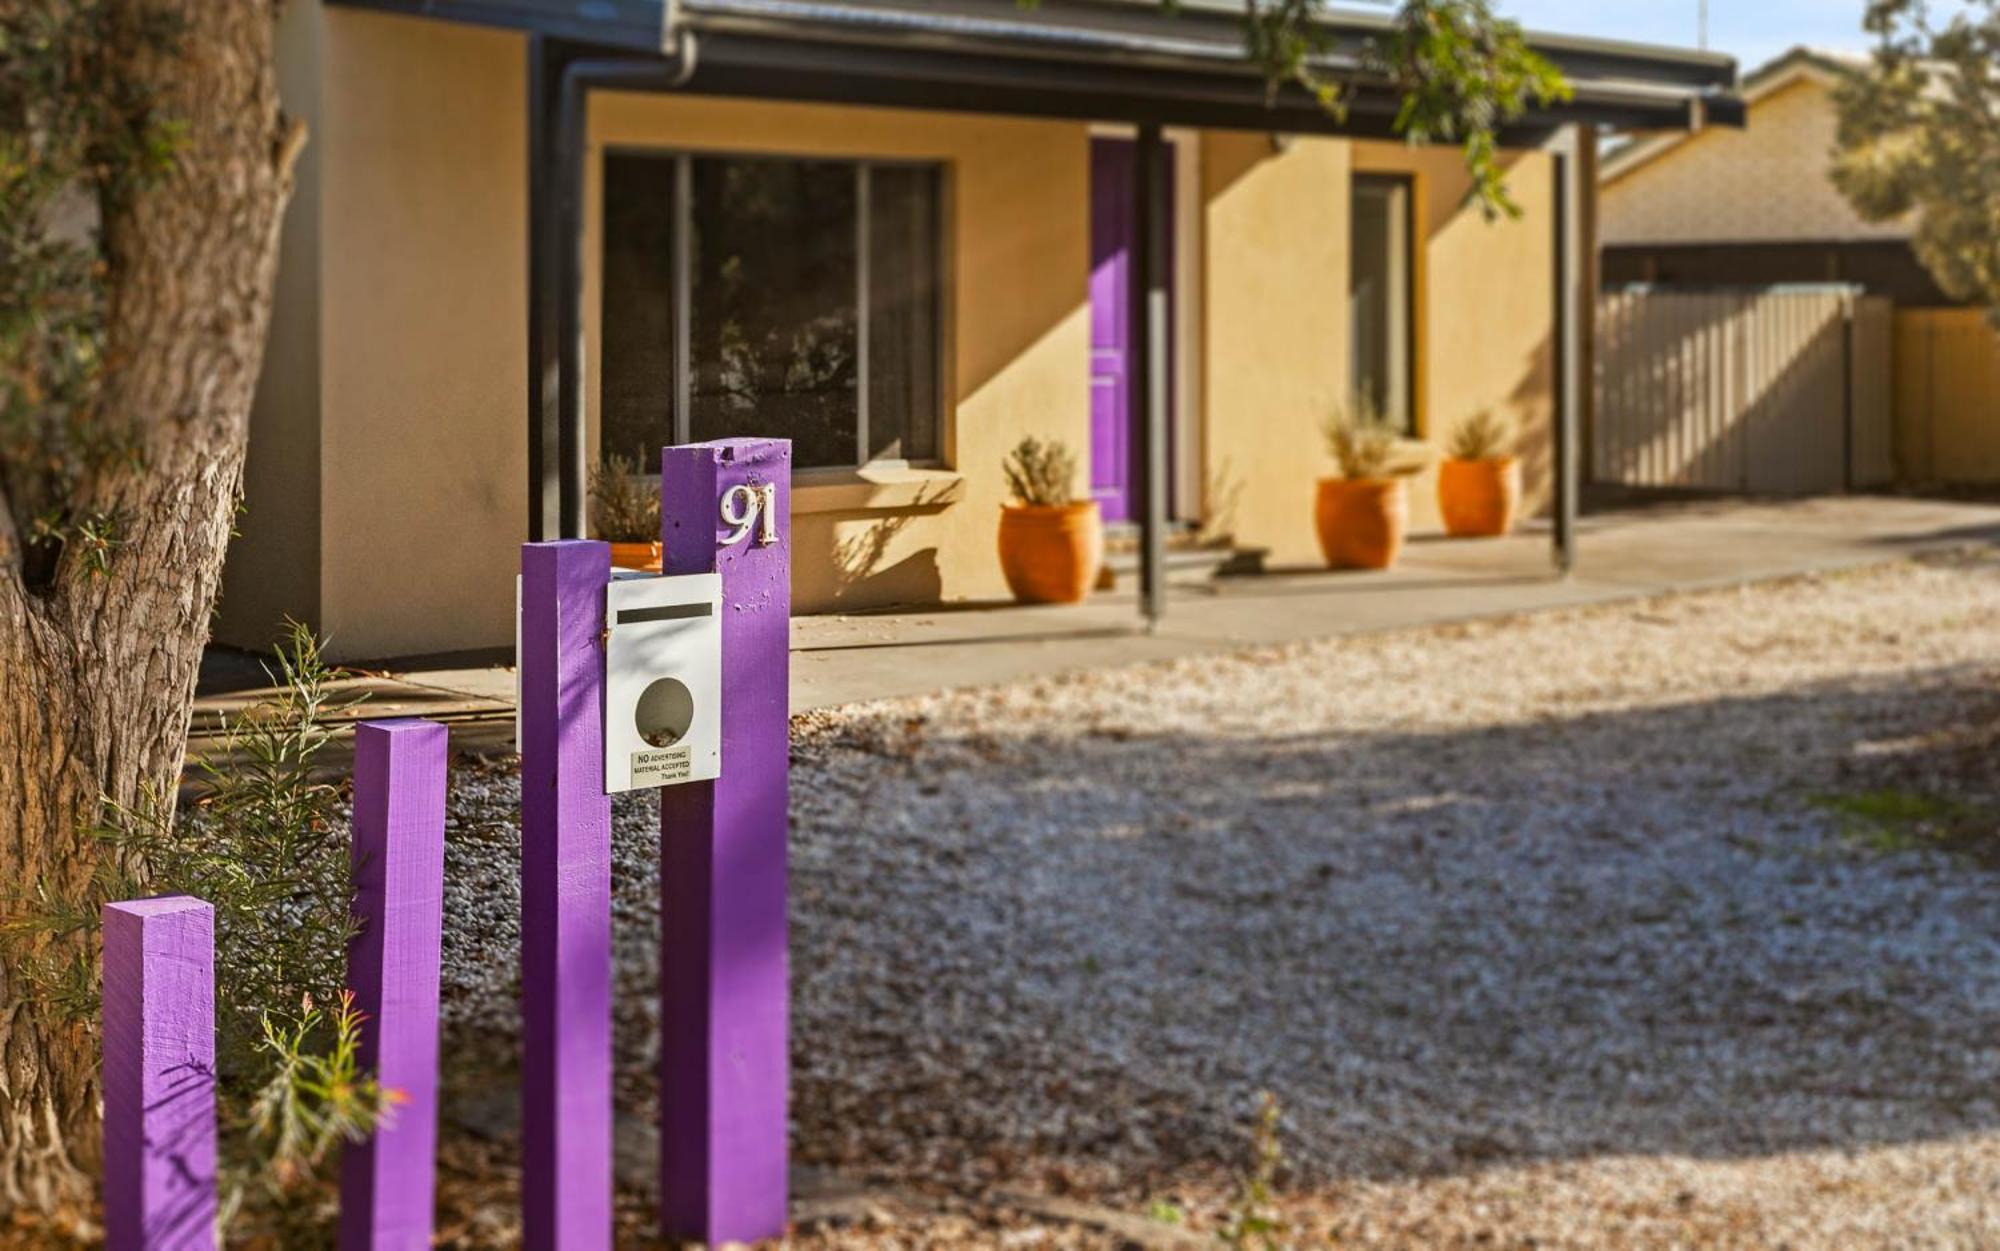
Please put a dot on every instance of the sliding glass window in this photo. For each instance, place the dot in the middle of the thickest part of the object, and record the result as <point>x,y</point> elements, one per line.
<point>1380,306</point>
<point>771,296</point>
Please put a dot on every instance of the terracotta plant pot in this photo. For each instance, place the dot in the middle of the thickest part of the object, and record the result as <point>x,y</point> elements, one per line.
<point>1361,521</point>
<point>1479,498</point>
<point>641,556</point>
<point>1050,553</point>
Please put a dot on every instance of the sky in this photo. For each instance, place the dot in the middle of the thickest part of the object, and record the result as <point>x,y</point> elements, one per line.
<point>1753,31</point>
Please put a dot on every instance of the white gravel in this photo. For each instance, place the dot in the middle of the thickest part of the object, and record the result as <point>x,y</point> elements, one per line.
<point>1541,930</point>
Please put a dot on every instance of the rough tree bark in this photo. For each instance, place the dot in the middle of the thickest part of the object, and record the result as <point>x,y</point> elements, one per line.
<point>97,671</point>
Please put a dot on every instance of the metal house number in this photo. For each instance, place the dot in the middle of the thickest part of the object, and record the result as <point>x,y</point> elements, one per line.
<point>745,508</point>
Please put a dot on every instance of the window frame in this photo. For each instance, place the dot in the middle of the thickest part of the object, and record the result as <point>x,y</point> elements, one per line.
<point>682,295</point>
<point>1409,423</point>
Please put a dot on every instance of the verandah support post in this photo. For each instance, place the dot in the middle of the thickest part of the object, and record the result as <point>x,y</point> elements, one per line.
<point>1570,310</point>
<point>386,1181</point>
<point>565,900</point>
<point>1149,320</point>
<point>723,990</point>
<point>159,1074</point>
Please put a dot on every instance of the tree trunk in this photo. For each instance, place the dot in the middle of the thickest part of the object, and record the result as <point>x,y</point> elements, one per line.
<point>97,671</point>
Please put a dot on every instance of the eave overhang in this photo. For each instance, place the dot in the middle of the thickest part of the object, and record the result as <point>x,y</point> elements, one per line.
<point>1110,60</point>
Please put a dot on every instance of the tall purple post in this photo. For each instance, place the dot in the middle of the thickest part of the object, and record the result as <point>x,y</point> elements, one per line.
<point>565,900</point>
<point>392,968</point>
<point>723,1008</point>
<point>159,1074</point>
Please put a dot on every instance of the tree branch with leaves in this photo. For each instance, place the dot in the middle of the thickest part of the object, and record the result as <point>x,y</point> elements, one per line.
<point>1919,137</point>
<point>1464,74</point>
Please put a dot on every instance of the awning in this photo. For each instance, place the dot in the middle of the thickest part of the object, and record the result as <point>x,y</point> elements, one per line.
<point>1106,60</point>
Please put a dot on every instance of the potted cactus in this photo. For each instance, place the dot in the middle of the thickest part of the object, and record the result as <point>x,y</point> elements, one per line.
<point>1363,510</point>
<point>1479,484</point>
<point>1051,542</point>
<point>625,512</point>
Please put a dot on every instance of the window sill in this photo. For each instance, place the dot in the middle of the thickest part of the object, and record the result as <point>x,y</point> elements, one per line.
<point>874,487</point>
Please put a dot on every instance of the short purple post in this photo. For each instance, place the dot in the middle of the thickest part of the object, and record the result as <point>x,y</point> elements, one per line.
<point>386,1182</point>
<point>565,900</point>
<point>723,992</point>
<point>159,1074</point>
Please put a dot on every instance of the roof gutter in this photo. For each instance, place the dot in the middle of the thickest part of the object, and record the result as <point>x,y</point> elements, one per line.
<point>670,71</point>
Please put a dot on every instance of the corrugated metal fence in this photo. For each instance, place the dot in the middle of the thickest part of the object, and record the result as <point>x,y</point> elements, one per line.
<point>1781,389</point>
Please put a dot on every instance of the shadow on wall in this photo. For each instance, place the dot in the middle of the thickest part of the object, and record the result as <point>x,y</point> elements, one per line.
<point>1531,408</point>
<point>1445,951</point>
<point>860,557</point>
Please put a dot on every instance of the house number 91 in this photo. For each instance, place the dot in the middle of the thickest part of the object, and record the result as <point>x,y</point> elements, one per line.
<point>746,508</point>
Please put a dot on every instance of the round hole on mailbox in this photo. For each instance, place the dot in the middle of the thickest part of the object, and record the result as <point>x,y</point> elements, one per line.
<point>665,711</point>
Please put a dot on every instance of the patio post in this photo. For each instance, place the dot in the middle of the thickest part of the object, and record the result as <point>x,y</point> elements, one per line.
<point>1570,310</point>
<point>1149,357</point>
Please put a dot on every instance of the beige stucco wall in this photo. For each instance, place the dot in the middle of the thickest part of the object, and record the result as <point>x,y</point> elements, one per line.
<point>1765,182</point>
<point>1486,308</point>
<point>273,568</point>
<point>1277,333</point>
<point>1275,225</point>
<point>385,501</point>
<point>1017,229</point>
<point>392,420</point>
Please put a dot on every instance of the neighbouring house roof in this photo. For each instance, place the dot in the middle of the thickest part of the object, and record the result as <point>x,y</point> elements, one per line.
<point>1767,183</point>
<point>1105,59</point>
<point>1821,66</point>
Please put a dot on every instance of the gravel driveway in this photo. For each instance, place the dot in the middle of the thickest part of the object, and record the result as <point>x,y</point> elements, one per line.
<point>1547,931</point>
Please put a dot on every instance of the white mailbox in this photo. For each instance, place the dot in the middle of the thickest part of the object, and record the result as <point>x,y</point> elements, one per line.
<point>662,680</point>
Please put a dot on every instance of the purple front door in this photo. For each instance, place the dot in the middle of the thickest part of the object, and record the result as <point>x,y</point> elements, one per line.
<point>1112,418</point>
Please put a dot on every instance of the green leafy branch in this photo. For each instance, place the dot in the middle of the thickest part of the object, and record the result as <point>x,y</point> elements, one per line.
<point>266,847</point>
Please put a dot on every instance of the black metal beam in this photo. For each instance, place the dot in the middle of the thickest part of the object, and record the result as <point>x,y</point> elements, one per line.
<point>823,71</point>
<point>1568,347</point>
<point>1149,322</point>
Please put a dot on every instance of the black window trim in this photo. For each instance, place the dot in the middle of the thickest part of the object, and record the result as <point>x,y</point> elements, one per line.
<point>683,157</point>
<point>1412,425</point>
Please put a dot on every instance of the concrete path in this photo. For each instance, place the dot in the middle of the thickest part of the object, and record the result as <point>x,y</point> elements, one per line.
<point>1624,554</point>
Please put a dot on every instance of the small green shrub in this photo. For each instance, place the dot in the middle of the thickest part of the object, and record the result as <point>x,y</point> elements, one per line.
<point>1483,436</point>
<point>1041,473</point>
<point>1360,439</point>
<point>266,847</point>
<point>1253,1224</point>
<point>624,507</point>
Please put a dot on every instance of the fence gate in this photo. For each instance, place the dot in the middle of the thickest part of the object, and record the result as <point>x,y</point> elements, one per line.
<point>1778,390</point>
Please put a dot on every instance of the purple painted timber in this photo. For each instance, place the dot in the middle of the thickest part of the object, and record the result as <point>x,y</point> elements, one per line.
<point>565,900</point>
<point>723,990</point>
<point>392,968</point>
<point>1113,166</point>
<point>159,1075</point>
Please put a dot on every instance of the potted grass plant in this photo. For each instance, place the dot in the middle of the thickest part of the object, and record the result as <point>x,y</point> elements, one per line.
<point>1363,510</point>
<point>1051,542</point>
<point>625,512</point>
<point>1479,484</point>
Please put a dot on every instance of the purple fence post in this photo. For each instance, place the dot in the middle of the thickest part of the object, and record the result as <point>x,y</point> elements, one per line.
<point>723,993</point>
<point>392,968</point>
<point>159,1074</point>
<point>565,900</point>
